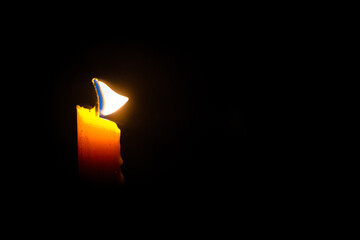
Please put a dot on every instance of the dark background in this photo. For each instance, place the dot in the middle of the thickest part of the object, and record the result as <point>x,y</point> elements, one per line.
<point>207,131</point>
<point>186,117</point>
<point>190,124</point>
<point>210,135</point>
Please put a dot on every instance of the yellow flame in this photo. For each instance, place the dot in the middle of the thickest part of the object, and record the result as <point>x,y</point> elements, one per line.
<point>112,101</point>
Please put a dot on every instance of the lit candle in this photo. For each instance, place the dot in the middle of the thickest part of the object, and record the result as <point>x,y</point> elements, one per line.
<point>99,158</point>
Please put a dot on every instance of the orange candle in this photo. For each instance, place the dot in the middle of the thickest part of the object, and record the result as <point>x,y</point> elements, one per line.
<point>99,158</point>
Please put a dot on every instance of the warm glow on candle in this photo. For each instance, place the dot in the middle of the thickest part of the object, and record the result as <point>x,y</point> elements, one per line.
<point>109,101</point>
<point>98,147</point>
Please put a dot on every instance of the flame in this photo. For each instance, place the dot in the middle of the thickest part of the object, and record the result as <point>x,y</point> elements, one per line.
<point>109,101</point>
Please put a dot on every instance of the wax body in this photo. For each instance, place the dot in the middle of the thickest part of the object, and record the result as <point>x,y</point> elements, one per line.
<point>99,158</point>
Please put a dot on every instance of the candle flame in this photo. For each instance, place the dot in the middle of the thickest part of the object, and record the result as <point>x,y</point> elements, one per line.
<point>109,101</point>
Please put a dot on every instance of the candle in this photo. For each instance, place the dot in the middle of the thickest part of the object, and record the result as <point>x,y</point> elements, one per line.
<point>99,158</point>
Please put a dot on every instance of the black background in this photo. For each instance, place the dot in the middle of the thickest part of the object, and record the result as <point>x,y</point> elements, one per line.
<point>208,134</point>
<point>191,123</point>
<point>187,113</point>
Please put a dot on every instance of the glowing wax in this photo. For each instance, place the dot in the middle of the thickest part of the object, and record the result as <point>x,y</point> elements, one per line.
<point>99,157</point>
